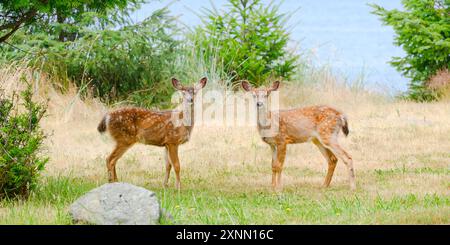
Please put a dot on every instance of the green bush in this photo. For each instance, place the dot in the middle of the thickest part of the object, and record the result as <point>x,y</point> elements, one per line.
<point>118,60</point>
<point>21,141</point>
<point>248,39</point>
<point>134,62</point>
<point>423,31</point>
<point>46,14</point>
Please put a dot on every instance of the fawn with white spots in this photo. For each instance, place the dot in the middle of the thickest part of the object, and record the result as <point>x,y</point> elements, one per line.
<point>128,126</point>
<point>319,124</point>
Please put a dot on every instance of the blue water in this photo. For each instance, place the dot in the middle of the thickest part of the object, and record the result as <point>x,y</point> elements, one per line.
<point>339,33</point>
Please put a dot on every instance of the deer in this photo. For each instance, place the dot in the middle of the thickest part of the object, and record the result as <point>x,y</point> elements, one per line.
<point>167,129</point>
<point>318,124</point>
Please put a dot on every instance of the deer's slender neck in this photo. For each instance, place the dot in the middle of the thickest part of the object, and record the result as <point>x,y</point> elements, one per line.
<point>263,118</point>
<point>188,114</point>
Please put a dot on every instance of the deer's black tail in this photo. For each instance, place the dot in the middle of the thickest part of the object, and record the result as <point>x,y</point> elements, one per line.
<point>344,125</point>
<point>102,125</point>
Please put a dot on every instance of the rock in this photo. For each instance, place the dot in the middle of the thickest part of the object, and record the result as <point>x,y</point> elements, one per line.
<point>117,204</point>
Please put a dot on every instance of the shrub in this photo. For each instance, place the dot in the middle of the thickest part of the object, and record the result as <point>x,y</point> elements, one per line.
<point>26,13</point>
<point>134,62</point>
<point>118,60</point>
<point>423,31</point>
<point>21,141</point>
<point>249,40</point>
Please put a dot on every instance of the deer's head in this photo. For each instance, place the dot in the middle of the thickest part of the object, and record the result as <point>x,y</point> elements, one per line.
<point>261,95</point>
<point>189,92</point>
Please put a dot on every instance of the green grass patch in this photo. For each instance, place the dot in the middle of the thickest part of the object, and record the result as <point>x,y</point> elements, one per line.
<point>382,173</point>
<point>49,205</point>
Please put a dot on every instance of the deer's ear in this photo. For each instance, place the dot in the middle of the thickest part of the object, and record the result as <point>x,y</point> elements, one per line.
<point>202,83</point>
<point>176,84</point>
<point>275,86</point>
<point>246,86</point>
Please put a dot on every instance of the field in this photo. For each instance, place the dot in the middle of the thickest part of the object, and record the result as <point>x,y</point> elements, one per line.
<point>401,153</point>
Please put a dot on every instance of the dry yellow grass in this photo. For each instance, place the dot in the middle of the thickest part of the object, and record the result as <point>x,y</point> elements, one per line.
<point>401,151</point>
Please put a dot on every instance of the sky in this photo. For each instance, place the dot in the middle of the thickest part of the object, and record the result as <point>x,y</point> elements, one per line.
<point>341,34</point>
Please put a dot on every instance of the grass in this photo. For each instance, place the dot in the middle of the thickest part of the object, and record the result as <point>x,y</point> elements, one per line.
<point>400,151</point>
<point>203,205</point>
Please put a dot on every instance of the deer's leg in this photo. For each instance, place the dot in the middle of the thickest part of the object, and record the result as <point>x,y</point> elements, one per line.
<point>337,150</point>
<point>112,160</point>
<point>274,163</point>
<point>168,167</point>
<point>331,160</point>
<point>173,156</point>
<point>278,167</point>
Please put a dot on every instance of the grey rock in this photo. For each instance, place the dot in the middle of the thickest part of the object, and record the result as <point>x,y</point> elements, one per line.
<point>117,204</point>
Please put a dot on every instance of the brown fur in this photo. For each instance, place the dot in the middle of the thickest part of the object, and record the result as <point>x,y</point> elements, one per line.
<point>138,125</point>
<point>128,126</point>
<point>318,124</point>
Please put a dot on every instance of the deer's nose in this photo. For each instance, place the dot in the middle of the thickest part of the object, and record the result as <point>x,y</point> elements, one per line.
<point>259,104</point>
<point>190,100</point>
